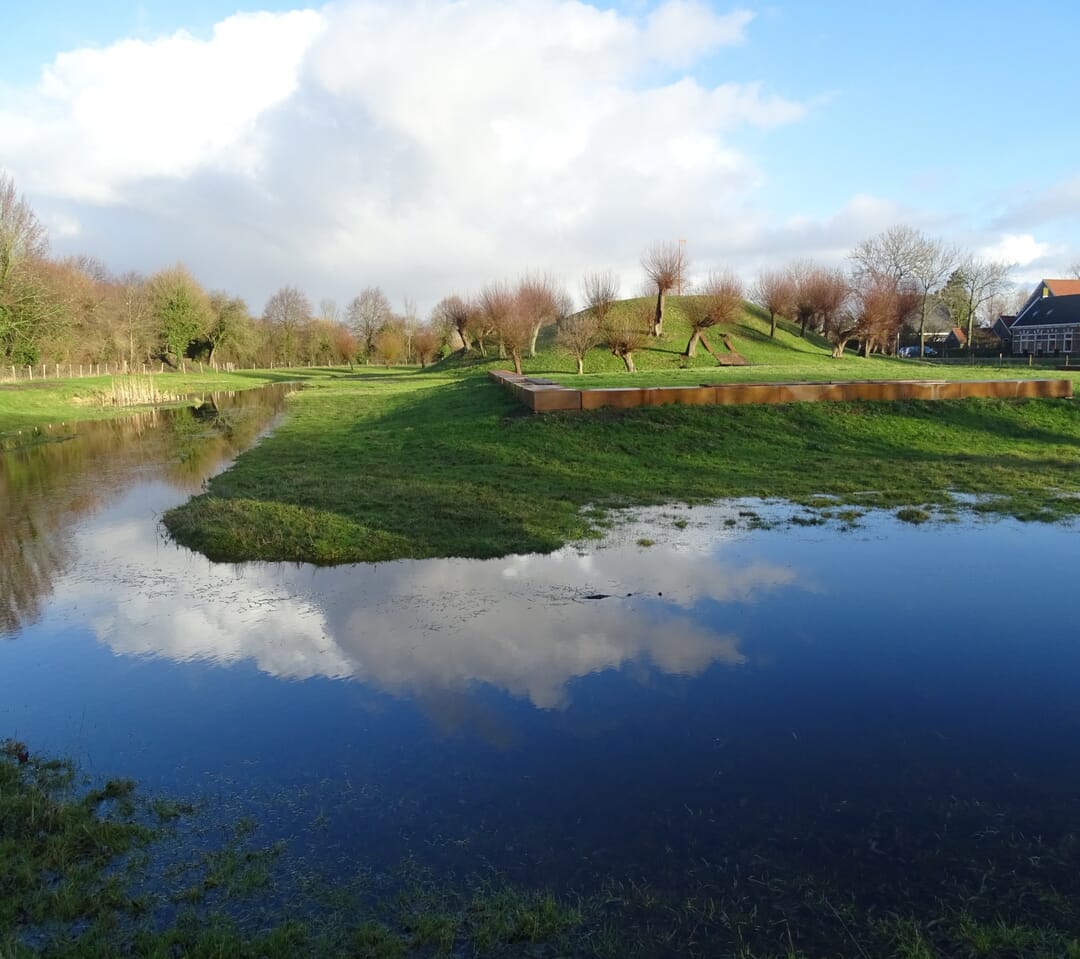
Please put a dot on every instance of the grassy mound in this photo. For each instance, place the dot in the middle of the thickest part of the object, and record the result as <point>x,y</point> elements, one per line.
<point>450,465</point>
<point>664,354</point>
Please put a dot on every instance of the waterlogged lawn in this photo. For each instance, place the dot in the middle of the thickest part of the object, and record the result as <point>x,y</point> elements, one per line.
<point>108,871</point>
<point>105,871</point>
<point>378,465</point>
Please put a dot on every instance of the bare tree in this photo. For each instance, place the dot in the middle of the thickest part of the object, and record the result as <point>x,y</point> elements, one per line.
<point>480,330</point>
<point>908,258</point>
<point>426,343</point>
<point>877,309</point>
<point>719,301</point>
<point>543,302</point>
<point>975,284</point>
<point>893,254</point>
<point>828,291</point>
<point>600,290</point>
<point>285,313</point>
<point>366,315</point>
<point>579,332</point>
<point>625,331</point>
<point>505,313</point>
<point>774,292</point>
<point>665,265</point>
<point>453,314</point>
<point>344,344</point>
<point>134,324</point>
<point>27,305</point>
<point>329,310</point>
<point>800,273</point>
<point>1074,270</point>
<point>22,237</point>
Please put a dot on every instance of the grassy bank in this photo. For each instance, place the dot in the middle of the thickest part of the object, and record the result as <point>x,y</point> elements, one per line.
<point>375,466</point>
<point>100,870</point>
<point>25,407</point>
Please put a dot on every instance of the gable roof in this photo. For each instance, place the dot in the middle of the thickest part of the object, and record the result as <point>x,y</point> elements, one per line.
<point>1003,324</point>
<point>1051,311</point>
<point>1048,288</point>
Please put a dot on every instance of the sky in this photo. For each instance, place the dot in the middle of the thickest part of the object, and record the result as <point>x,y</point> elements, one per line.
<point>431,146</point>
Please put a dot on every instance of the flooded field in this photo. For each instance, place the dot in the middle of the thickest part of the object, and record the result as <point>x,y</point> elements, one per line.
<point>721,704</point>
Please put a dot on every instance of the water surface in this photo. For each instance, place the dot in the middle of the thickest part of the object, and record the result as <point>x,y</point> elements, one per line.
<point>825,695</point>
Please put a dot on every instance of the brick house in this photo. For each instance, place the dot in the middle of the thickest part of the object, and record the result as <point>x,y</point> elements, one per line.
<point>1049,322</point>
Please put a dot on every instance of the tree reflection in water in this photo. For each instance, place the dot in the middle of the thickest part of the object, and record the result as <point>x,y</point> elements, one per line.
<point>70,473</point>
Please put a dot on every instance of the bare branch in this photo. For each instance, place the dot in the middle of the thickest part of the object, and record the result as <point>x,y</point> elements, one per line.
<point>665,265</point>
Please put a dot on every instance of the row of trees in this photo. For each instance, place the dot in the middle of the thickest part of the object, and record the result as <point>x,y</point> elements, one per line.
<point>74,310</point>
<point>900,280</point>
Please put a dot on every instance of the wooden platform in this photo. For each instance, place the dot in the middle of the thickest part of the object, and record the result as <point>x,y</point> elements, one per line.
<point>545,396</point>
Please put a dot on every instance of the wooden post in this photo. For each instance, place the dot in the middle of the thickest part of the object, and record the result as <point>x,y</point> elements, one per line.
<point>30,371</point>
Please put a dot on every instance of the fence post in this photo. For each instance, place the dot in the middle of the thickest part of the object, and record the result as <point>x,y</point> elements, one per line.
<point>30,370</point>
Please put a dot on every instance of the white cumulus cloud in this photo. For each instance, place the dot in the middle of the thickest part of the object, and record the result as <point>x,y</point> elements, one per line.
<point>105,119</point>
<point>1017,248</point>
<point>425,145</point>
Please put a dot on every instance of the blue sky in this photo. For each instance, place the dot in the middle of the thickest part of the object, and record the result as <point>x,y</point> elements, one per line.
<point>428,146</point>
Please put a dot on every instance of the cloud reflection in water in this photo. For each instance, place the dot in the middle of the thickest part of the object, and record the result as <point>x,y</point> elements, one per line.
<point>423,628</point>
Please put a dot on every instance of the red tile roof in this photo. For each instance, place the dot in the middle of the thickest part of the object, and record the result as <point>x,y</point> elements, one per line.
<point>1063,287</point>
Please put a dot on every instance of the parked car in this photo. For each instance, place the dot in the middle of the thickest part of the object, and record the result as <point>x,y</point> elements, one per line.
<point>910,352</point>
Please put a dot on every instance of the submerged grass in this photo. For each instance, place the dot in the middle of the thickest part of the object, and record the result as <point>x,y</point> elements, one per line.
<point>941,878</point>
<point>73,884</point>
<point>380,465</point>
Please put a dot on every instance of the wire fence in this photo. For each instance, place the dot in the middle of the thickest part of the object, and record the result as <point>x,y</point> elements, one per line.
<point>27,373</point>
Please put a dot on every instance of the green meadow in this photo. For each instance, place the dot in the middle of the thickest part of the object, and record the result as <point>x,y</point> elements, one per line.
<point>375,464</point>
<point>384,464</point>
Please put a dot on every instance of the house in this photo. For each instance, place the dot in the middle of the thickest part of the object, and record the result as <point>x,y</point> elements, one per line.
<point>957,339</point>
<point>1049,322</point>
<point>1002,329</point>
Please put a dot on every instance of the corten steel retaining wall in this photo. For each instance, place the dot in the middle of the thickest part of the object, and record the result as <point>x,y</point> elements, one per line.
<point>544,396</point>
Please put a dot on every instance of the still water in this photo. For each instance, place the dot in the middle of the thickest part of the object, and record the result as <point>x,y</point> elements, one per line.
<point>737,689</point>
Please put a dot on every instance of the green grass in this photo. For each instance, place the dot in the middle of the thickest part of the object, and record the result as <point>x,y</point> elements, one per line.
<point>382,464</point>
<point>26,407</point>
<point>406,464</point>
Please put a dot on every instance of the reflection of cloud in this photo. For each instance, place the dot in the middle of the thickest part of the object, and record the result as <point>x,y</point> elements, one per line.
<point>422,628</point>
